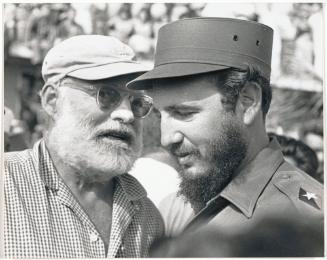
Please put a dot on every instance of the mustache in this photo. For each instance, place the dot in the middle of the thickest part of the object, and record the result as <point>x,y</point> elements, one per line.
<point>180,150</point>
<point>121,132</point>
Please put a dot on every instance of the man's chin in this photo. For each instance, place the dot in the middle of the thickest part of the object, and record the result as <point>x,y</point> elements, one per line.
<point>193,172</point>
<point>106,171</point>
<point>119,161</point>
<point>115,148</point>
<point>99,166</point>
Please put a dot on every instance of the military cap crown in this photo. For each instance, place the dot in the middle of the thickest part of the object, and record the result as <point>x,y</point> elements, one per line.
<point>199,45</point>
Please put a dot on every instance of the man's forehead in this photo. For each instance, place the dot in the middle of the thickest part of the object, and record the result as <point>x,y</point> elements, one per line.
<point>180,90</point>
<point>115,82</point>
<point>123,79</point>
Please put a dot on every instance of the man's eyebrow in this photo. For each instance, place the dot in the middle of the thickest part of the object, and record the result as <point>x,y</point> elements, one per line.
<point>119,86</point>
<point>181,107</point>
<point>108,84</point>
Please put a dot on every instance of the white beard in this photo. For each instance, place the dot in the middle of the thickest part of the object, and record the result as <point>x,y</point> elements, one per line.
<point>73,141</point>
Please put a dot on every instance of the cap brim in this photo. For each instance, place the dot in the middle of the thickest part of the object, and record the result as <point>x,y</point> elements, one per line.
<point>109,70</point>
<point>172,70</point>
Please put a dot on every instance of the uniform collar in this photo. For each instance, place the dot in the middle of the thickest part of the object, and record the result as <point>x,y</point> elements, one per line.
<point>132,188</point>
<point>244,190</point>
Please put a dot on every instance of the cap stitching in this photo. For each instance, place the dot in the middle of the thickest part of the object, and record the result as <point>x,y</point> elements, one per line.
<point>99,65</point>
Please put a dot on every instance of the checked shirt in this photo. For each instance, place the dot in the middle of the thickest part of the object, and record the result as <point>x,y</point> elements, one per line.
<point>44,220</point>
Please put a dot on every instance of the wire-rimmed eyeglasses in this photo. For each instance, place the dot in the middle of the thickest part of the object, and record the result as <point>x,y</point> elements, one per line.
<point>110,98</point>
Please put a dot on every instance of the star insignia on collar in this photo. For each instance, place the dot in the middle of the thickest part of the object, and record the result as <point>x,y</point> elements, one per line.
<point>310,195</point>
<point>309,198</point>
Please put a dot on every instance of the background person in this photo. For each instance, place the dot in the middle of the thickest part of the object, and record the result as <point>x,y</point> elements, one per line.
<point>298,154</point>
<point>8,118</point>
<point>14,136</point>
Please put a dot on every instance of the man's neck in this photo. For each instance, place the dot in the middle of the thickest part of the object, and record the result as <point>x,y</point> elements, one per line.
<point>86,191</point>
<point>78,183</point>
<point>256,144</point>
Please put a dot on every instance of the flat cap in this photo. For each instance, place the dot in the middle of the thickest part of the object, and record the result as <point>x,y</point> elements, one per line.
<point>205,44</point>
<point>90,57</point>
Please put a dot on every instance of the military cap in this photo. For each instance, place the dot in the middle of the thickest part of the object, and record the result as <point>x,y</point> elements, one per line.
<point>205,44</point>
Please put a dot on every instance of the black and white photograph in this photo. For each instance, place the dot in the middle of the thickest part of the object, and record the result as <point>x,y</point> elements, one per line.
<point>162,130</point>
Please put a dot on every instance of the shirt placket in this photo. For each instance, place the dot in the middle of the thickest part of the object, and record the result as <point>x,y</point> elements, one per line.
<point>96,243</point>
<point>123,212</point>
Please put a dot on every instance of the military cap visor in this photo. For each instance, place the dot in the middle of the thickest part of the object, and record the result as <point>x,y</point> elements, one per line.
<point>173,70</point>
<point>199,45</point>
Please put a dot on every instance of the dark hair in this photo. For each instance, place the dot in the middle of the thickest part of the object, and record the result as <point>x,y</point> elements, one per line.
<point>231,81</point>
<point>304,157</point>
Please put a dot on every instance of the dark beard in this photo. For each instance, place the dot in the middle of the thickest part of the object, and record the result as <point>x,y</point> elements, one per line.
<point>225,155</point>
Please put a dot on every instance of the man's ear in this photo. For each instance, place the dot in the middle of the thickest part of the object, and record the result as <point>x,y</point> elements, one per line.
<point>250,100</point>
<point>49,96</point>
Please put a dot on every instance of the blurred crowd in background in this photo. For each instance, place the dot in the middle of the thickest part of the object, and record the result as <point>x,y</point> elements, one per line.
<point>30,30</point>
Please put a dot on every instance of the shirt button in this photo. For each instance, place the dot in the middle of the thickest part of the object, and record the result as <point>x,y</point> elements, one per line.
<point>93,237</point>
<point>137,207</point>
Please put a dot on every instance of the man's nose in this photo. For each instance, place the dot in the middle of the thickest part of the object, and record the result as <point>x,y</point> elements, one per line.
<point>170,135</point>
<point>123,112</point>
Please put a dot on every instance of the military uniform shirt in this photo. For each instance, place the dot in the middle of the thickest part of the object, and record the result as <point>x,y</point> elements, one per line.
<point>267,186</point>
<point>44,220</point>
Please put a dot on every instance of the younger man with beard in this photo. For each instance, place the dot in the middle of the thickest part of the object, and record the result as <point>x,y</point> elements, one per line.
<point>70,195</point>
<point>210,83</point>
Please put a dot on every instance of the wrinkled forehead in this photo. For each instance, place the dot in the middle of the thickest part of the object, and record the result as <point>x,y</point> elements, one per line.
<point>118,83</point>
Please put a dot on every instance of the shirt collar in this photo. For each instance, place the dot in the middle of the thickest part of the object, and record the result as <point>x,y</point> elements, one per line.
<point>244,190</point>
<point>45,165</point>
<point>132,188</point>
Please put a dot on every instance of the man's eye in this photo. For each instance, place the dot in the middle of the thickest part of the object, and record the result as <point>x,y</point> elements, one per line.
<point>183,114</point>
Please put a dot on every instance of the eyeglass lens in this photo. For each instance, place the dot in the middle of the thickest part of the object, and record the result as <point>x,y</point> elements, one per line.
<point>141,105</point>
<point>109,98</point>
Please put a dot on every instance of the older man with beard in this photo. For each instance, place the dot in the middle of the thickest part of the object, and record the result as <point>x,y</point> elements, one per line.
<point>210,83</point>
<point>70,195</point>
